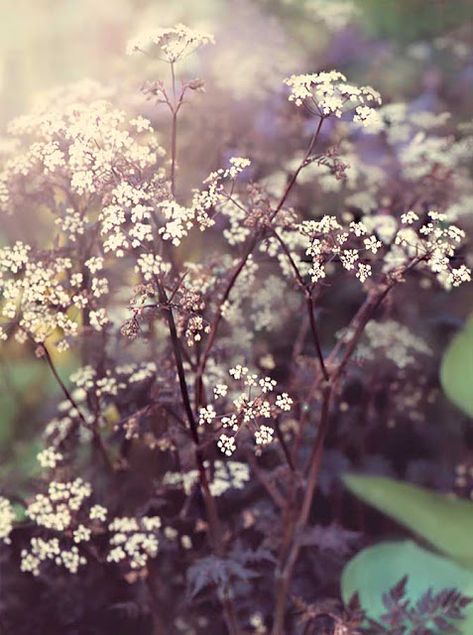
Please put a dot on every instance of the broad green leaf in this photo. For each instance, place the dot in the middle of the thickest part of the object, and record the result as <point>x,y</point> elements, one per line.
<point>456,371</point>
<point>445,522</point>
<point>376,570</point>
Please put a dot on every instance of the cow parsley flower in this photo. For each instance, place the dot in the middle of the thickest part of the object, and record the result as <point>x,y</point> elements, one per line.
<point>207,414</point>
<point>169,44</point>
<point>134,540</point>
<point>49,458</point>
<point>98,512</point>
<point>459,275</point>
<point>328,93</point>
<point>226,444</point>
<point>220,390</point>
<point>7,516</point>
<point>408,218</point>
<point>363,272</point>
<point>284,402</point>
<point>264,435</point>
<point>395,341</point>
<point>41,550</point>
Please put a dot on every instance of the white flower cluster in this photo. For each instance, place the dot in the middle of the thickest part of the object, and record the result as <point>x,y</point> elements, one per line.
<point>226,444</point>
<point>86,378</point>
<point>14,259</point>
<point>126,222</point>
<point>7,516</point>
<point>393,247</point>
<point>328,93</point>
<point>49,458</point>
<point>264,435</point>
<point>226,475</point>
<point>98,512</point>
<point>81,157</point>
<point>236,213</point>
<point>424,145</point>
<point>73,151</point>
<point>195,327</point>
<point>43,550</point>
<point>39,290</point>
<point>136,373</point>
<point>436,241</point>
<point>62,510</point>
<point>103,389</point>
<point>78,147</point>
<point>252,400</point>
<point>88,382</point>
<point>150,266</point>
<point>178,219</point>
<point>394,341</point>
<point>169,44</point>
<point>186,480</point>
<point>133,540</point>
<point>58,511</point>
<point>328,238</point>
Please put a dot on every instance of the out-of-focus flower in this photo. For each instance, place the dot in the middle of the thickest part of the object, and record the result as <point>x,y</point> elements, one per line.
<point>170,44</point>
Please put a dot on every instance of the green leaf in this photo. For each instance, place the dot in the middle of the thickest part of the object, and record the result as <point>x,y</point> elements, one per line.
<point>456,371</point>
<point>445,522</point>
<point>376,570</point>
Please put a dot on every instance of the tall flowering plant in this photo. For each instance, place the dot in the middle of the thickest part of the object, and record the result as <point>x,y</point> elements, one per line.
<point>179,401</point>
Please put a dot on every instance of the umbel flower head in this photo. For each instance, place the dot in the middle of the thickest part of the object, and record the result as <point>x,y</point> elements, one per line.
<point>169,44</point>
<point>328,93</point>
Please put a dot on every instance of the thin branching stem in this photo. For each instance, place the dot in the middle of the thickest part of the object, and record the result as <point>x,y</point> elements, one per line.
<point>215,528</point>
<point>251,246</point>
<point>98,441</point>
<point>290,546</point>
<point>315,335</point>
<point>173,132</point>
